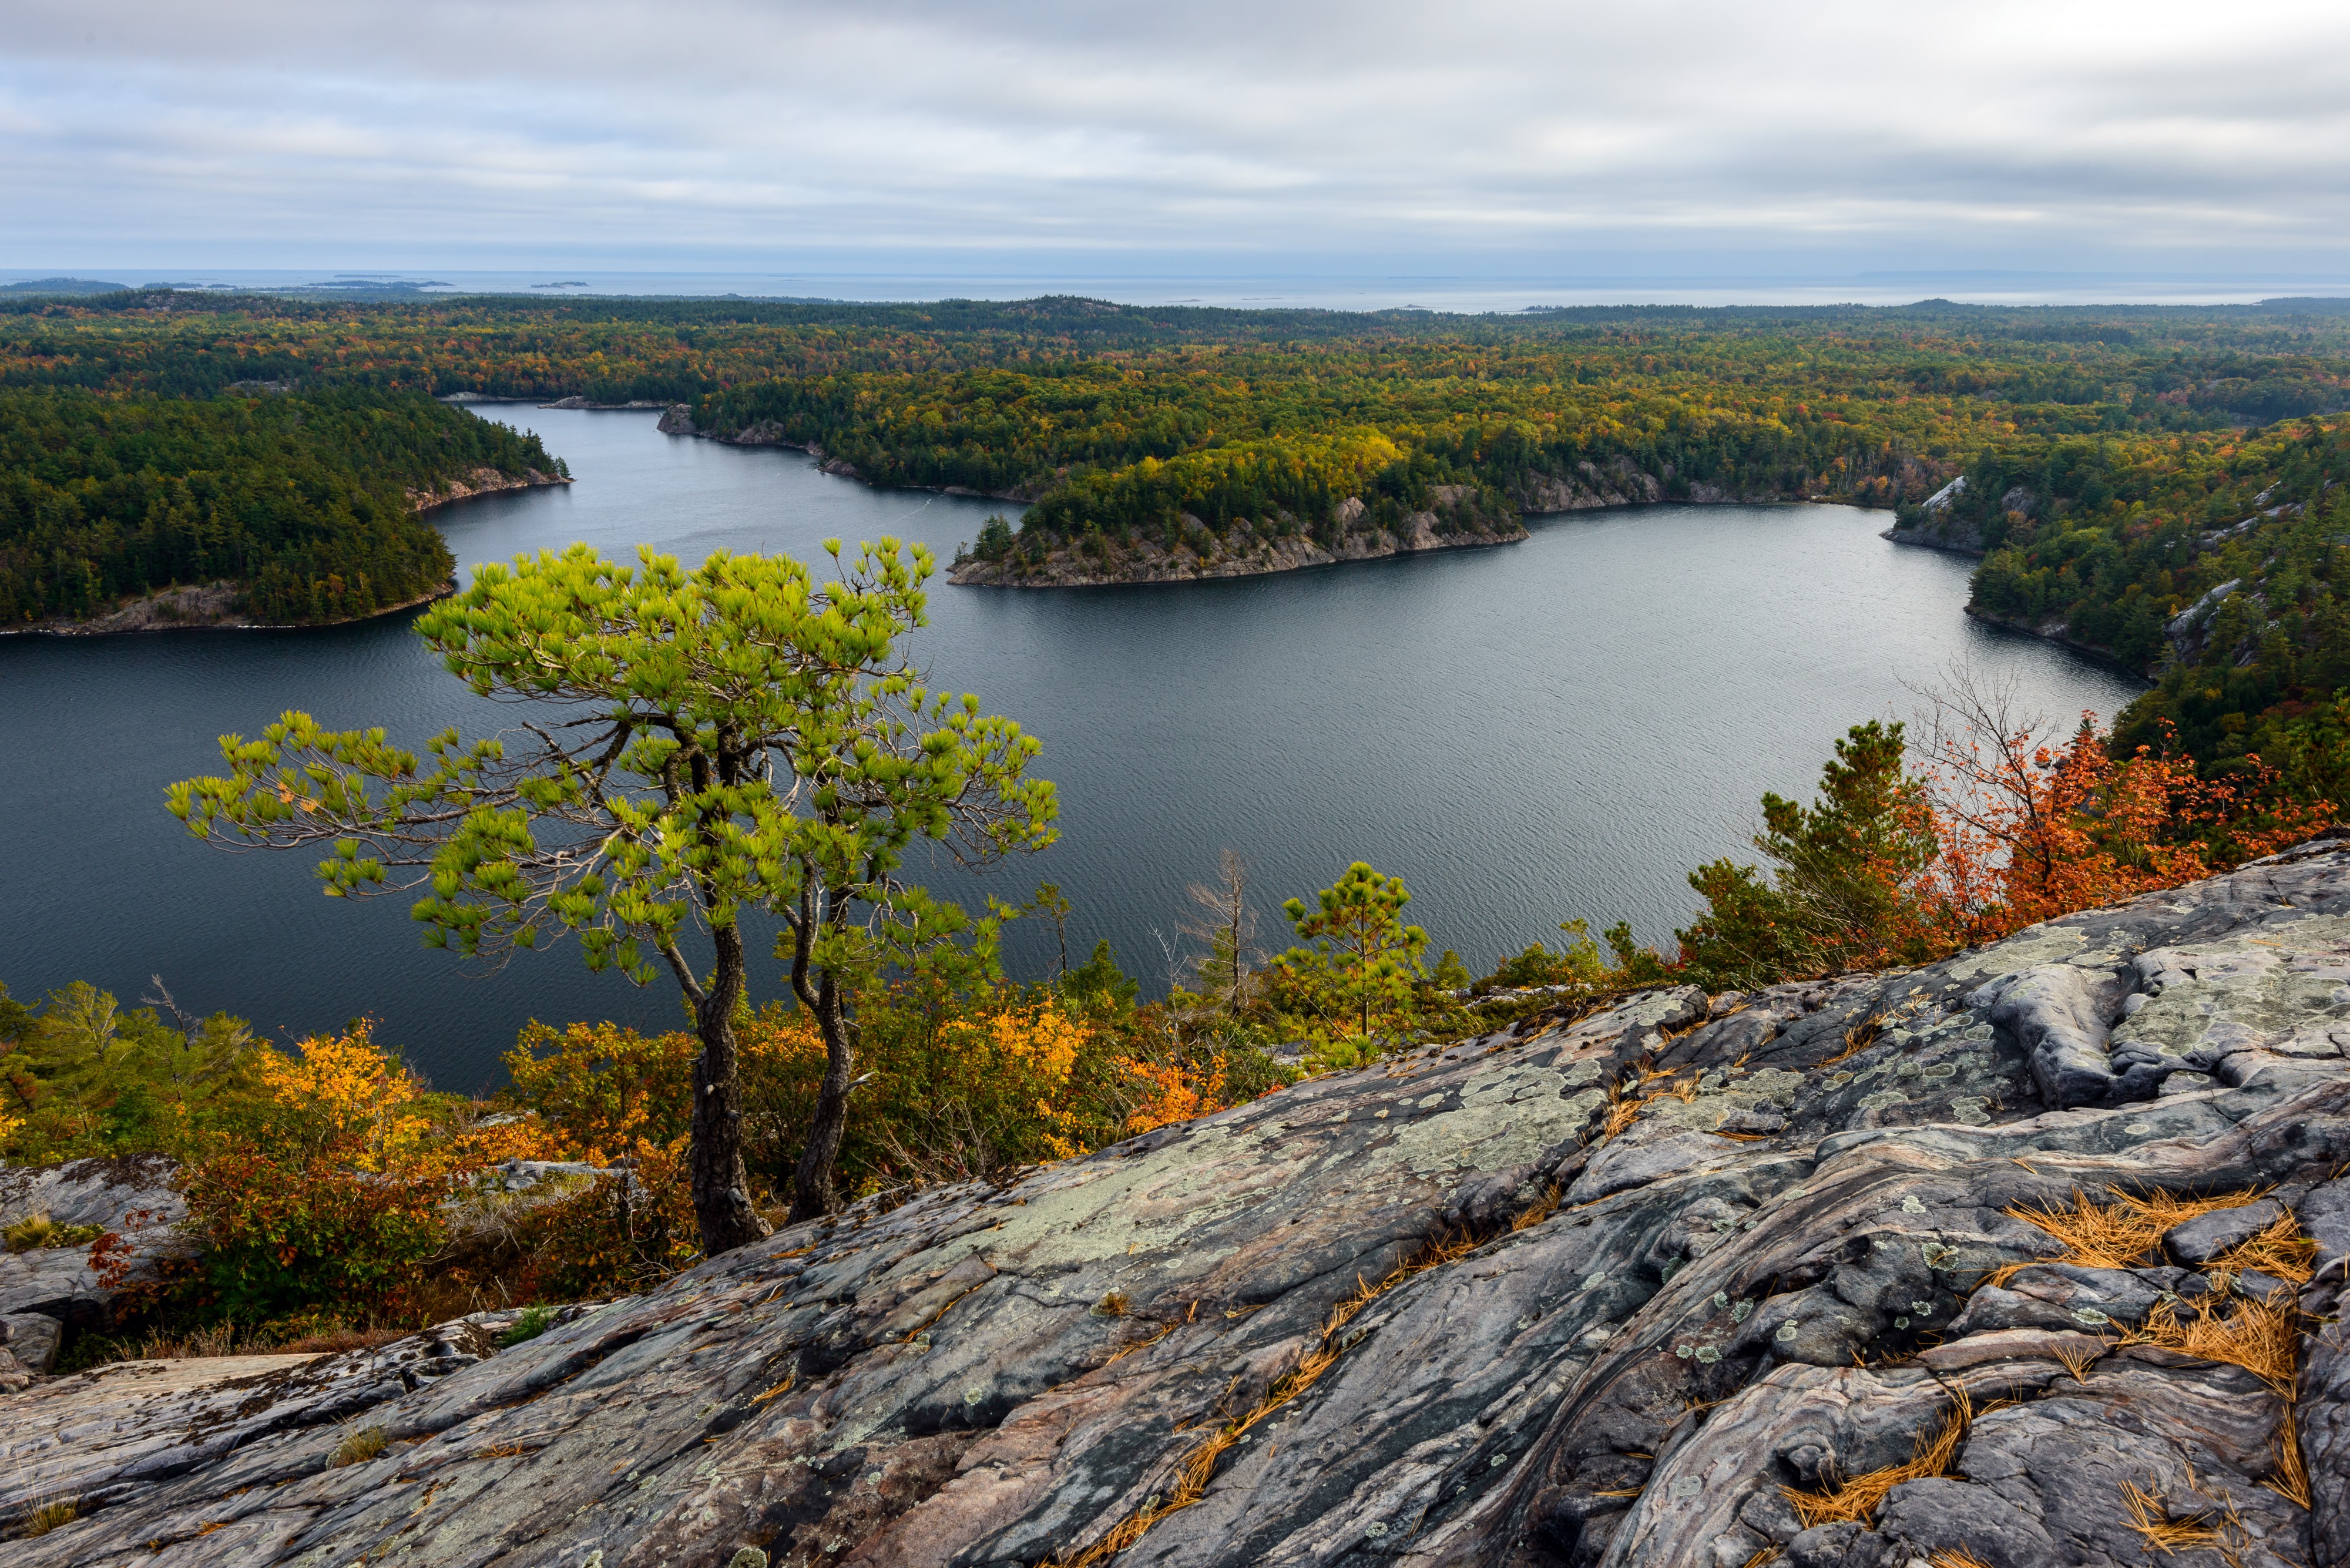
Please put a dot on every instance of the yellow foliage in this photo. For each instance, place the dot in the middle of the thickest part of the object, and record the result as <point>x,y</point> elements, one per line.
<point>603,1089</point>
<point>359,1103</point>
<point>1040,1039</point>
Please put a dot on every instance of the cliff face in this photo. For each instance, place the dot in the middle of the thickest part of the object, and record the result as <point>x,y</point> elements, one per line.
<point>1460,1308</point>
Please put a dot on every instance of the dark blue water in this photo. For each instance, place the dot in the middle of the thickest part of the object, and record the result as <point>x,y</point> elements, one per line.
<point>1557,728</point>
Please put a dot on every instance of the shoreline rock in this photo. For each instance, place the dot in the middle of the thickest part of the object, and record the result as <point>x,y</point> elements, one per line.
<point>2053,630</point>
<point>481,481</point>
<point>147,613</point>
<point>1624,1351</point>
<point>1205,556</point>
<point>131,1197</point>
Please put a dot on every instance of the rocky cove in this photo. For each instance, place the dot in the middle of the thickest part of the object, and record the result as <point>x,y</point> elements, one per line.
<point>1659,1284</point>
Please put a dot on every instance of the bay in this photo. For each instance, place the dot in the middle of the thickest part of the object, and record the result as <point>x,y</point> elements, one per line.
<point>1556,728</point>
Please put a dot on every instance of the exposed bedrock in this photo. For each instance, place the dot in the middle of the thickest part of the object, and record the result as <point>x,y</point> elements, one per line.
<point>1775,1279</point>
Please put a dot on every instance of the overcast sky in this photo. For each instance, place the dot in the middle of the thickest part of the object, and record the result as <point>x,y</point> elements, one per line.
<point>1506,137</point>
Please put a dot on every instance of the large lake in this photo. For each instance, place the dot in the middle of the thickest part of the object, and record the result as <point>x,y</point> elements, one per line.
<point>1556,728</point>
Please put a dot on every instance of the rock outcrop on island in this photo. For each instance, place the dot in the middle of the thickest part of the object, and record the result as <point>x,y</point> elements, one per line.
<point>1691,1280</point>
<point>1937,525</point>
<point>1246,548</point>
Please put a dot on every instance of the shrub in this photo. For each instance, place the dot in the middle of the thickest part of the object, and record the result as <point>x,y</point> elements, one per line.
<point>627,1230</point>
<point>603,1090</point>
<point>55,1514</point>
<point>279,1237</point>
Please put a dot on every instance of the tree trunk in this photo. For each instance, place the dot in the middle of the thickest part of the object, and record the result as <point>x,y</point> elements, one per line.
<point>812,1182</point>
<point>722,1196</point>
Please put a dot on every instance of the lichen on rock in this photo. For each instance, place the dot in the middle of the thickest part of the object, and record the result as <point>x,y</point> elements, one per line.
<point>1803,1255</point>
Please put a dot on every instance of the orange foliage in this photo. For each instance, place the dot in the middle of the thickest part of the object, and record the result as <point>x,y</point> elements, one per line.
<point>344,1099</point>
<point>1171,1093</point>
<point>2027,831</point>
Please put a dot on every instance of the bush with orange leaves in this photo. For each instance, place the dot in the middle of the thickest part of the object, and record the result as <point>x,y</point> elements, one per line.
<point>328,1192</point>
<point>602,1091</point>
<point>956,1086</point>
<point>1998,826</point>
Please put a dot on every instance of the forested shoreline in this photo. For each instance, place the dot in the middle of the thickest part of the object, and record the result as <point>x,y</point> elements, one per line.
<point>2112,454</point>
<point>304,504</point>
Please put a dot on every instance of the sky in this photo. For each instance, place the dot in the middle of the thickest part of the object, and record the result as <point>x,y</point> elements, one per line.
<point>1551,138</point>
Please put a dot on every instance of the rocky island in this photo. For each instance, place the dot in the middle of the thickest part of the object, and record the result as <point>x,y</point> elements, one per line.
<point>2023,1258</point>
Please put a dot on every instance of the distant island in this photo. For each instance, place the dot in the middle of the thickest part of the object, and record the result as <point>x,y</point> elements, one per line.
<point>63,285</point>
<point>1456,517</point>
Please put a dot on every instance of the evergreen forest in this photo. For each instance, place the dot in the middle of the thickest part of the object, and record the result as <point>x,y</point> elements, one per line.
<point>302,500</point>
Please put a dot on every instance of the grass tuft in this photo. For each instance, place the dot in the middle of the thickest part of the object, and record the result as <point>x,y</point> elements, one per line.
<point>38,1230</point>
<point>1114,1304</point>
<point>55,1514</point>
<point>1955,1557</point>
<point>358,1446</point>
<point>1856,1499</point>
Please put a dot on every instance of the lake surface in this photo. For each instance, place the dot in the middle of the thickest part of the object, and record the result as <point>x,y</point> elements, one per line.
<point>1557,728</point>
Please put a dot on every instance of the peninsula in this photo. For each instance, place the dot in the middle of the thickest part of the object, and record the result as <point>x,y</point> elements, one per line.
<point>260,506</point>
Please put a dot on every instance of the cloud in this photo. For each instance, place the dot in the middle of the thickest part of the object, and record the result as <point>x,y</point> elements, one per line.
<point>1502,134</point>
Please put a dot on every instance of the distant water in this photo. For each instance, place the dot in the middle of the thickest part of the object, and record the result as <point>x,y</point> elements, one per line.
<point>1287,291</point>
<point>1556,728</point>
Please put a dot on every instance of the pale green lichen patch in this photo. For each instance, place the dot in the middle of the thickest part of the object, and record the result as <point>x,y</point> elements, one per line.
<point>2251,992</point>
<point>1162,1199</point>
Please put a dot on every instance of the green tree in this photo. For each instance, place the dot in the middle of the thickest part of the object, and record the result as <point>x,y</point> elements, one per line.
<point>86,1075</point>
<point>1843,867</point>
<point>1360,965</point>
<point>731,739</point>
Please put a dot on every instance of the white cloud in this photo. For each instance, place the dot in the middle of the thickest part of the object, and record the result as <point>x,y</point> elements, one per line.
<point>1500,134</point>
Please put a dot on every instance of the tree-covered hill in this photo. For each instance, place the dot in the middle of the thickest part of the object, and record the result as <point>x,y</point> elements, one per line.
<point>2209,563</point>
<point>299,499</point>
